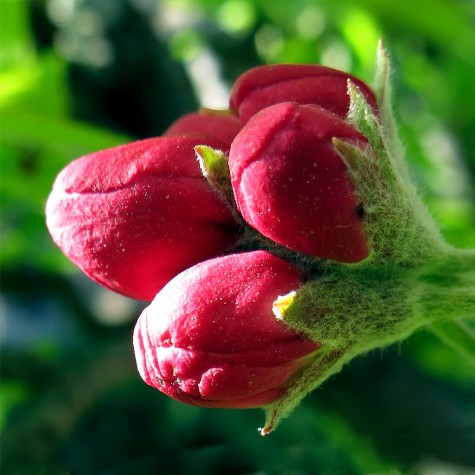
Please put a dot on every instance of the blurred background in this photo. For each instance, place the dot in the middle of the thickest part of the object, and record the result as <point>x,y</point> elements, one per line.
<point>78,76</point>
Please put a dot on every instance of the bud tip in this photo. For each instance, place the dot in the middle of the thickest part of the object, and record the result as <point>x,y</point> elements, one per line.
<point>282,303</point>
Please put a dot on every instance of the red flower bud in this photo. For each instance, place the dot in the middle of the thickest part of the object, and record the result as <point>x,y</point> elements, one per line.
<point>222,125</point>
<point>134,216</point>
<point>293,187</point>
<point>210,338</point>
<point>263,86</point>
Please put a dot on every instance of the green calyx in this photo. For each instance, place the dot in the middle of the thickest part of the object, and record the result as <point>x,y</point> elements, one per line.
<point>351,310</point>
<point>411,279</point>
<point>214,167</point>
<point>398,226</point>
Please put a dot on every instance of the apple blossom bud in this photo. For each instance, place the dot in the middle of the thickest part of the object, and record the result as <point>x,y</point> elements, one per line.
<point>223,125</point>
<point>132,217</point>
<point>292,186</point>
<point>263,86</point>
<point>210,337</point>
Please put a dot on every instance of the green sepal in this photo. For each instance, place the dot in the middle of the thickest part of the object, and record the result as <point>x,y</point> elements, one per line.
<point>324,365</point>
<point>362,117</point>
<point>213,164</point>
<point>354,309</point>
<point>398,226</point>
<point>214,167</point>
<point>383,90</point>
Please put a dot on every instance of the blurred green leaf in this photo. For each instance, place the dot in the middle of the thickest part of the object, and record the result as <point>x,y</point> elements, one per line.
<point>442,361</point>
<point>34,148</point>
<point>14,393</point>
<point>66,137</point>
<point>15,34</point>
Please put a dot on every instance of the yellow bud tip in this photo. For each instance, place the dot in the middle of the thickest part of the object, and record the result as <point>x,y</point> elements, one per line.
<point>282,303</point>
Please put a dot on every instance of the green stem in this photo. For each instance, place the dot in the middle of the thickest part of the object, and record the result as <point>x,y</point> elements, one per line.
<point>446,288</point>
<point>458,335</point>
<point>444,293</point>
<point>354,309</point>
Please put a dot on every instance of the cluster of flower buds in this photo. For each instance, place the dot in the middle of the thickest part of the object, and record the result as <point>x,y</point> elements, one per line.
<point>143,220</point>
<point>276,240</point>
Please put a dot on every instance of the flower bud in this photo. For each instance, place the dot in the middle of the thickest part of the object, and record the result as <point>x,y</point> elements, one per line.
<point>263,86</point>
<point>223,125</point>
<point>134,216</point>
<point>210,338</point>
<point>291,185</point>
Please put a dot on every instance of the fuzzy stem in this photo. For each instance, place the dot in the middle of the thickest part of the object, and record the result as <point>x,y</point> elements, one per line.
<point>354,309</point>
<point>445,290</point>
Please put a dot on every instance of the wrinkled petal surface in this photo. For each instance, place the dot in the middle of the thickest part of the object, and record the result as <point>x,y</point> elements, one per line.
<point>210,338</point>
